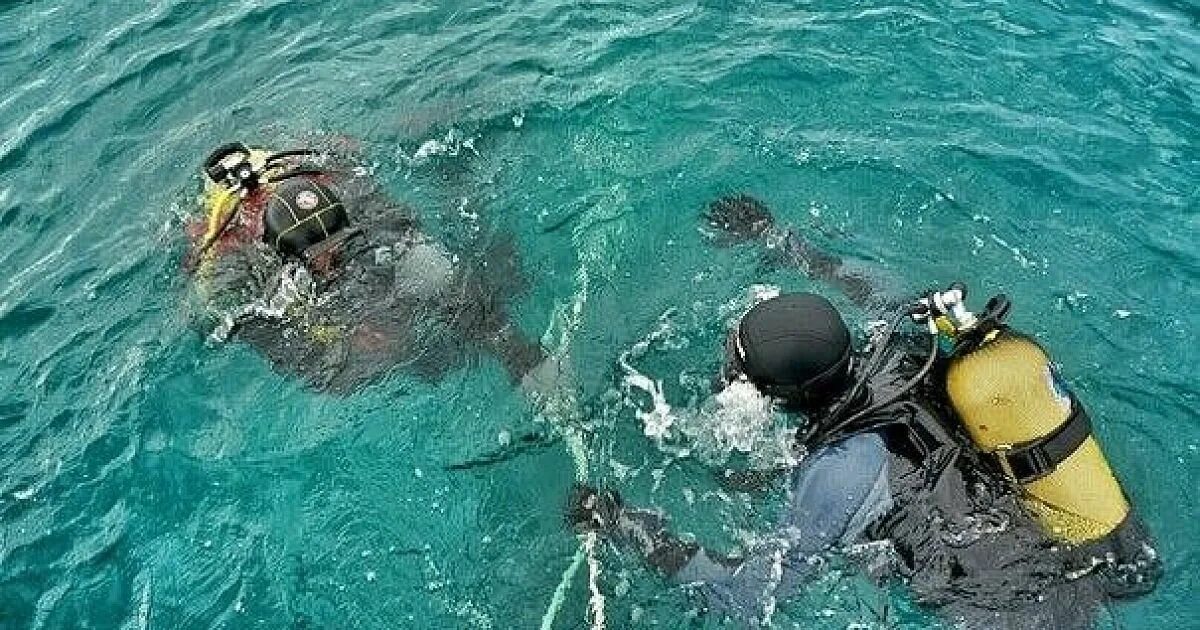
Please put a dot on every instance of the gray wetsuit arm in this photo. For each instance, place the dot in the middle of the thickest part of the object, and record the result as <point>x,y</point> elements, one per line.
<point>789,249</point>
<point>834,496</point>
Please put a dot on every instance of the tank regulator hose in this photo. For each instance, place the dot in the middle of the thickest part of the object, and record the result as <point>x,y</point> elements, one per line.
<point>873,365</point>
<point>275,157</point>
<point>890,400</point>
<point>874,362</point>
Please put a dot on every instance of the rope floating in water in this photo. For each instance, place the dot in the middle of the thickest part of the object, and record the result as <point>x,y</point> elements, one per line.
<point>563,409</point>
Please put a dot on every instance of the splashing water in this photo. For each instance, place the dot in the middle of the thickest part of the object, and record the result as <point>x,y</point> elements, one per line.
<point>736,420</point>
<point>449,145</point>
<point>295,286</point>
<point>739,419</point>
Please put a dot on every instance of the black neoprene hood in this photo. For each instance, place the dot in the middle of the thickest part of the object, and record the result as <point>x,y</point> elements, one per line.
<point>300,214</point>
<point>795,346</point>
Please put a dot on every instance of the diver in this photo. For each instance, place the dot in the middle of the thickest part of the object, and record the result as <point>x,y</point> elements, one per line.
<point>976,466</point>
<point>303,256</point>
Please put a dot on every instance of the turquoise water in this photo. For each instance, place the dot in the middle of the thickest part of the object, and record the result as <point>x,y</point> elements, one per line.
<point>1045,149</point>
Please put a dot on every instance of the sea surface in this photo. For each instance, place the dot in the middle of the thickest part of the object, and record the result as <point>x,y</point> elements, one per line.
<point>152,479</point>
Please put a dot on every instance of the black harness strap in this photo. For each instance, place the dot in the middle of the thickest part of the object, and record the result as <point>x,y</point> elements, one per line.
<point>1030,461</point>
<point>311,252</point>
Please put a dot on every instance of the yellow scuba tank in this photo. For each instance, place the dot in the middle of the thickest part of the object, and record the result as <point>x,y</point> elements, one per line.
<point>1010,400</point>
<point>223,192</point>
<point>219,198</point>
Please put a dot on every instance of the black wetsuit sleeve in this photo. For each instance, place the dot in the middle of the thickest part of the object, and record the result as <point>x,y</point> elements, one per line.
<point>789,249</point>
<point>642,531</point>
<point>647,533</point>
<point>518,353</point>
<point>492,278</point>
<point>741,218</point>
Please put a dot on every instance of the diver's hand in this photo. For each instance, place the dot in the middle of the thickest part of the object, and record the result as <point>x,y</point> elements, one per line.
<point>601,511</point>
<point>737,218</point>
<point>593,510</point>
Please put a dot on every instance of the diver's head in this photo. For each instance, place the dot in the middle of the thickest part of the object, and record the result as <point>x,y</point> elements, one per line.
<point>301,214</point>
<point>794,347</point>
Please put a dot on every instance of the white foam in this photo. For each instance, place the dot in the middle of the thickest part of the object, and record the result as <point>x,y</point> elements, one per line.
<point>295,285</point>
<point>738,419</point>
<point>452,144</point>
<point>740,415</point>
<point>657,421</point>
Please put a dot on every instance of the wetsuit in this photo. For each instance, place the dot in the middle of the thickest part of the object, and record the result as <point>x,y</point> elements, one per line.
<point>964,544</point>
<point>384,295</point>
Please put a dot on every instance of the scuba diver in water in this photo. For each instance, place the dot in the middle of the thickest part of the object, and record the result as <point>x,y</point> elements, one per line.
<point>975,463</point>
<point>303,256</point>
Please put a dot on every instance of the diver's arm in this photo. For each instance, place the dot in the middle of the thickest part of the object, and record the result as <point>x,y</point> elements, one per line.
<point>483,295</point>
<point>642,531</point>
<point>742,218</point>
<point>793,251</point>
<point>519,354</point>
<point>834,495</point>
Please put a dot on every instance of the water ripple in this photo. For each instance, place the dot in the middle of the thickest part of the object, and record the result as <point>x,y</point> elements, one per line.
<point>1043,148</point>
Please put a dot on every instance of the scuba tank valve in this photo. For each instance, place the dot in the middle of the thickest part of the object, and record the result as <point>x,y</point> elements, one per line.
<point>234,166</point>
